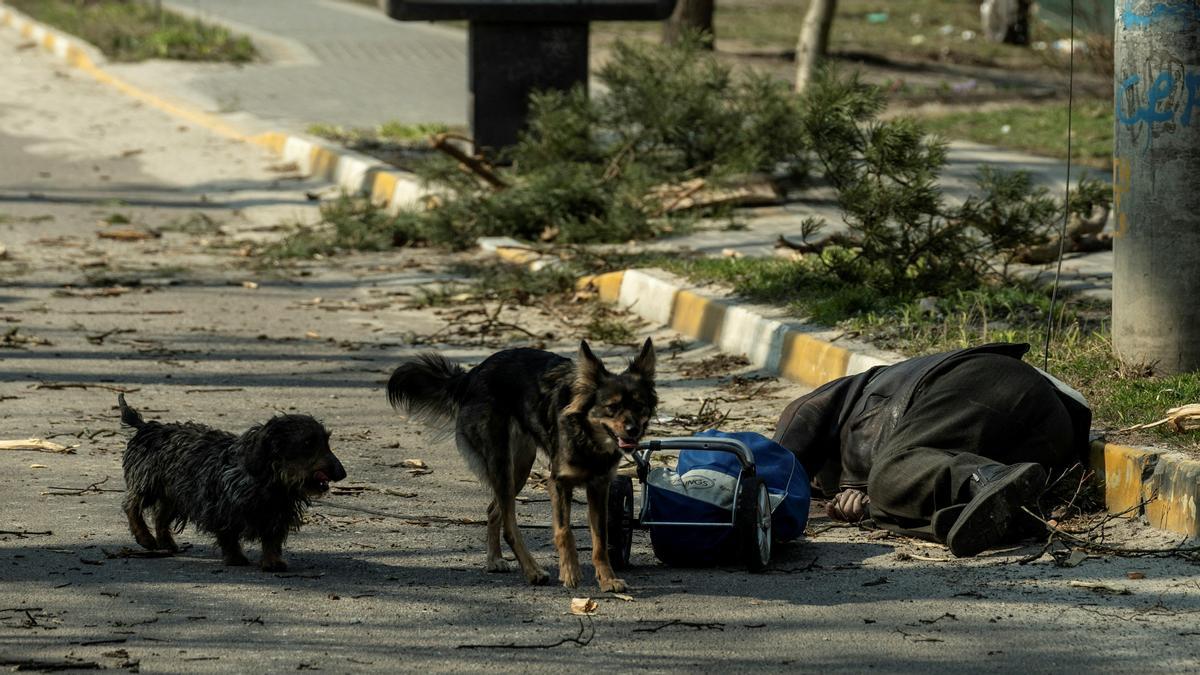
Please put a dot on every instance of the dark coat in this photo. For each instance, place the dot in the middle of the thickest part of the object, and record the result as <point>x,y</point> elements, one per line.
<point>837,430</point>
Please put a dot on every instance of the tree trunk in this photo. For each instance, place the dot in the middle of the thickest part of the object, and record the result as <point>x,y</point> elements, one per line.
<point>814,40</point>
<point>695,15</point>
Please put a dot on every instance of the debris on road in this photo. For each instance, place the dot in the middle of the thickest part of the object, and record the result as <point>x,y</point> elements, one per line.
<point>37,445</point>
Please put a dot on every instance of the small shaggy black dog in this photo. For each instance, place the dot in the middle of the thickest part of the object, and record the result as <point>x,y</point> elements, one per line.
<point>254,486</point>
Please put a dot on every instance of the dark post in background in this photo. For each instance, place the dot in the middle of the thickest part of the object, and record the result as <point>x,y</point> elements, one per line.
<point>1156,185</point>
<point>516,47</point>
<point>507,62</point>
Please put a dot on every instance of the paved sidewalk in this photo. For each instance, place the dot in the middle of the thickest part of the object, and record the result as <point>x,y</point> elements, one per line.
<point>327,61</point>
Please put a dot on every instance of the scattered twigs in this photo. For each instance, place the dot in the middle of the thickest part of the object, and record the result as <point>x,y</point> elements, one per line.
<point>126,552</point>
<point>1092,545</point>
<point>1181,419</point>
<point>579,640</point>
<point>401,516</point>
<point>474,164</point>
<point>483,327</point>
<point>83,385</point>
<point>212,391</point>
<point>94,488</point>
<point>49,666</point>
<point>694,625</point>
<point>22,534</point>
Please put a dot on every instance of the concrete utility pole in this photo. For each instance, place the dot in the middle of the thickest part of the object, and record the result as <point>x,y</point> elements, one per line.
<point>1156,185</point>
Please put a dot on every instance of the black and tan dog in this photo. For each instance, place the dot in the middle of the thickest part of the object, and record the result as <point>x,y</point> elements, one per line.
<point>254,486</point>
<point>520,401</point>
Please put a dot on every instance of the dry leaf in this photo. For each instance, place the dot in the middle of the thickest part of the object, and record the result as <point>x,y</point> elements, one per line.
<point>414,464</point>
<point>36,444</point>
<point>1135,575</point>
<point>623,596</point>
<point>250,284</point>
<point>312,334</point>
<point>583,606</point>
<point>127,235</point>
<point>37,466</point>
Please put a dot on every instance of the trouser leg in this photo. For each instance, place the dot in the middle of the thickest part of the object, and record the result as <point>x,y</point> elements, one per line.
<point>983,410</point>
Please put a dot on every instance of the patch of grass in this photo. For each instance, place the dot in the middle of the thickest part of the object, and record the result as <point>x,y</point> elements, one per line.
<point>518,283</point>
<point>197,223</point>
<point>128,30</point>
<point>388,132</point>
<point>774,25</point>
<point>1039,129</point>
<point>610,329</point>
<point>348,223</point>
<point>1122,395</point>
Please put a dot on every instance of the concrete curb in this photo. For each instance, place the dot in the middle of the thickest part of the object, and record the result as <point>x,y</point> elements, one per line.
<point>1162,488</point>
<point>354,172</point>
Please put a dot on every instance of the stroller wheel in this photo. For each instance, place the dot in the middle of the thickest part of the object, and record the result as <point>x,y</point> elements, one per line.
<point>620,522</point>
<point>754,522</point>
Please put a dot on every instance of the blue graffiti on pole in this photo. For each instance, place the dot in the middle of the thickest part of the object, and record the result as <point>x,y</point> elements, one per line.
<point>1164,104</point>
<point>1160,11</point>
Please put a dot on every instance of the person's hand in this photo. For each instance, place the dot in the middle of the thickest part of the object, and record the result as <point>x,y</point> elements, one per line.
<point>848,506</point>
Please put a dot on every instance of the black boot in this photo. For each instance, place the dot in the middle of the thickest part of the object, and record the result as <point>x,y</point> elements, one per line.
<point>993,515</point>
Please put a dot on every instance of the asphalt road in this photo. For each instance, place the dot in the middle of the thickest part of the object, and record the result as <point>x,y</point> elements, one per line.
<point>387,575</point>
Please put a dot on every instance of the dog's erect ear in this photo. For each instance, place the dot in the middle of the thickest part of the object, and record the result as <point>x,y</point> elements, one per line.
<point>590,367</point>
<point>643,364</point>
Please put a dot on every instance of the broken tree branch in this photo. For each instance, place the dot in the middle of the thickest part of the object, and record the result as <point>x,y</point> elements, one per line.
<point>475,165</point>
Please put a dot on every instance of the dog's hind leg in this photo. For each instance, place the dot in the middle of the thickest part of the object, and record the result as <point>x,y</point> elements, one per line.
<point>137,524</point>
<point>564,538</point>
<point>495,559</point>
<point>523,453</point>
<point>162,528</point>
<point>597,498</point>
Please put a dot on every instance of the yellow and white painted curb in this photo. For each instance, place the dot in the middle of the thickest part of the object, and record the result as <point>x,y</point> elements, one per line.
<point>1162,488</point>
<point>351,171</point>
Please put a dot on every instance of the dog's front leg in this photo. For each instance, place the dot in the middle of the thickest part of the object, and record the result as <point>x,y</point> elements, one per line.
<point>272,555</point>
<point>597,497</point>
<point>564,538</point>
<point>231,548</point>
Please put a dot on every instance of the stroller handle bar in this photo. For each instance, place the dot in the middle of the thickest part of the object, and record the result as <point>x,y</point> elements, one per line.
<point>730,445</point>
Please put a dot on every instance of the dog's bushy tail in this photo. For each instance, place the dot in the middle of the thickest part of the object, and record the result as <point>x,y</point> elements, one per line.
<point>427,386</point>
<point>129,416</point>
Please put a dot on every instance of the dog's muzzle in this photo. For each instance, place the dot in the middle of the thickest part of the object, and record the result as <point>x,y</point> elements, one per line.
<point>330,474</point>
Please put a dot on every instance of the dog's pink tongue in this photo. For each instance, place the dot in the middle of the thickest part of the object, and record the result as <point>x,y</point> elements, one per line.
<point>626,445</point>
<point>321,477</point>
